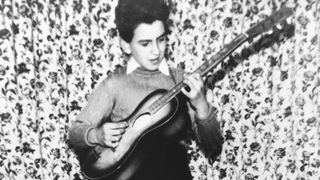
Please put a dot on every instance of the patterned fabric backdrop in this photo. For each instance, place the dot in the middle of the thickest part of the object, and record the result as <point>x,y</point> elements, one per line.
<point>54,52</point>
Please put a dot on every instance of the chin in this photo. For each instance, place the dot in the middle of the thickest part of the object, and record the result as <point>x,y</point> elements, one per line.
<point>154,68</point>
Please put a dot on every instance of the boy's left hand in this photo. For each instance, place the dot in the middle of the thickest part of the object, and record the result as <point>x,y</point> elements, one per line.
<point>196,94</point>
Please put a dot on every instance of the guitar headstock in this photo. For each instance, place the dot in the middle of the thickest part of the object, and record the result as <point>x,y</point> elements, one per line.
<point>273,20</point>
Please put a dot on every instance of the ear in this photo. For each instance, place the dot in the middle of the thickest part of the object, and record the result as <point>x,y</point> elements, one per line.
<point>125,46</point>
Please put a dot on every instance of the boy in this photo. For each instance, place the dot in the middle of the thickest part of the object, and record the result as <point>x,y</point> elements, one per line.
<point>142,26</point>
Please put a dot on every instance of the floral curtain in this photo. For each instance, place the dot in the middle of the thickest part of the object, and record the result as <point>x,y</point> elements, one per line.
<point>54,52</point>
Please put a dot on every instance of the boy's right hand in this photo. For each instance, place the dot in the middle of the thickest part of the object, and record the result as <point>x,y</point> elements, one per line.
<point>108,135</point>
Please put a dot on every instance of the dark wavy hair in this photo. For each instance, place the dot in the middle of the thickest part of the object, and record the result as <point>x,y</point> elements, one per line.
<point>130,13</point>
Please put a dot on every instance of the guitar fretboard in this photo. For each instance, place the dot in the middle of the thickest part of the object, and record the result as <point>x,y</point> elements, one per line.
<point>205,68</point>
<point>227,49</point>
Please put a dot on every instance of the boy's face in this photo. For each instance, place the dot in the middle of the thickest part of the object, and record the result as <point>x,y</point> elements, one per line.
<point>148,44</point>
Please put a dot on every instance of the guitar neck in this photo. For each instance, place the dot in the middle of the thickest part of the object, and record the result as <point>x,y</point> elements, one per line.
<point>204,69</point>
<point>221,55</point>
<point>264,26</point>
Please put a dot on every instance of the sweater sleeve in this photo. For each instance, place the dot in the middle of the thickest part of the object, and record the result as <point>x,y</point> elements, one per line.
<point>207,131</point>
<point>97,109</point>
<point>208,135</point>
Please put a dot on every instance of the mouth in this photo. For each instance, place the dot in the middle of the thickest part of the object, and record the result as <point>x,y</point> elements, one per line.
<point>155,61</point>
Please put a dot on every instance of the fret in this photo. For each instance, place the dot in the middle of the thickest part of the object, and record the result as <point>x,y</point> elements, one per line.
<point>164,99</point>
<point>221,55</point>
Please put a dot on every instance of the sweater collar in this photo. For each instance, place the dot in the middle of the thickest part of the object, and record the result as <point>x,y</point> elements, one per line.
<point>133,65</point>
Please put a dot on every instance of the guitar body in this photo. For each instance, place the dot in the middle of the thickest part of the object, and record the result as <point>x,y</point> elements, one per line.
<point>102,162</point>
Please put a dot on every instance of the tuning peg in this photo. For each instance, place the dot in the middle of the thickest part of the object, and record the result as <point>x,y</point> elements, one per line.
<point>289,20</point>
<point>269,31</point>
<point>279,26</point>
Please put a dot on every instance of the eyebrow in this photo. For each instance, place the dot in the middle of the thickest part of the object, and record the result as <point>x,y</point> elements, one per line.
<point>148,40</point>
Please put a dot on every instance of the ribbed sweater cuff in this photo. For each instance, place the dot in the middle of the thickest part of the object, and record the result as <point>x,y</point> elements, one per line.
<point>78,135</point>
<point>86,136</point>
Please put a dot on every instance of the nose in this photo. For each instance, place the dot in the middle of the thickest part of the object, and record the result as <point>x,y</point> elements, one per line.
<point>155,49</point>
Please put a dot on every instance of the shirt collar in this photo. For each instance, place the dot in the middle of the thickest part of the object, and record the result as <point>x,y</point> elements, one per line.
<point>133,65</point>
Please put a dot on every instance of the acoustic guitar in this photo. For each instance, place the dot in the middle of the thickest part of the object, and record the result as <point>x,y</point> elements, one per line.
<point>156,110</point>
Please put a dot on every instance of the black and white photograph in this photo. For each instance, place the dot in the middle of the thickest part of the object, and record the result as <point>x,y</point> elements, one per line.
<point>159,90</point>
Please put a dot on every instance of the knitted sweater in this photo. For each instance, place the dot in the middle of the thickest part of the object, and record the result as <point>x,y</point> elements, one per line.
<point>117,97</point>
